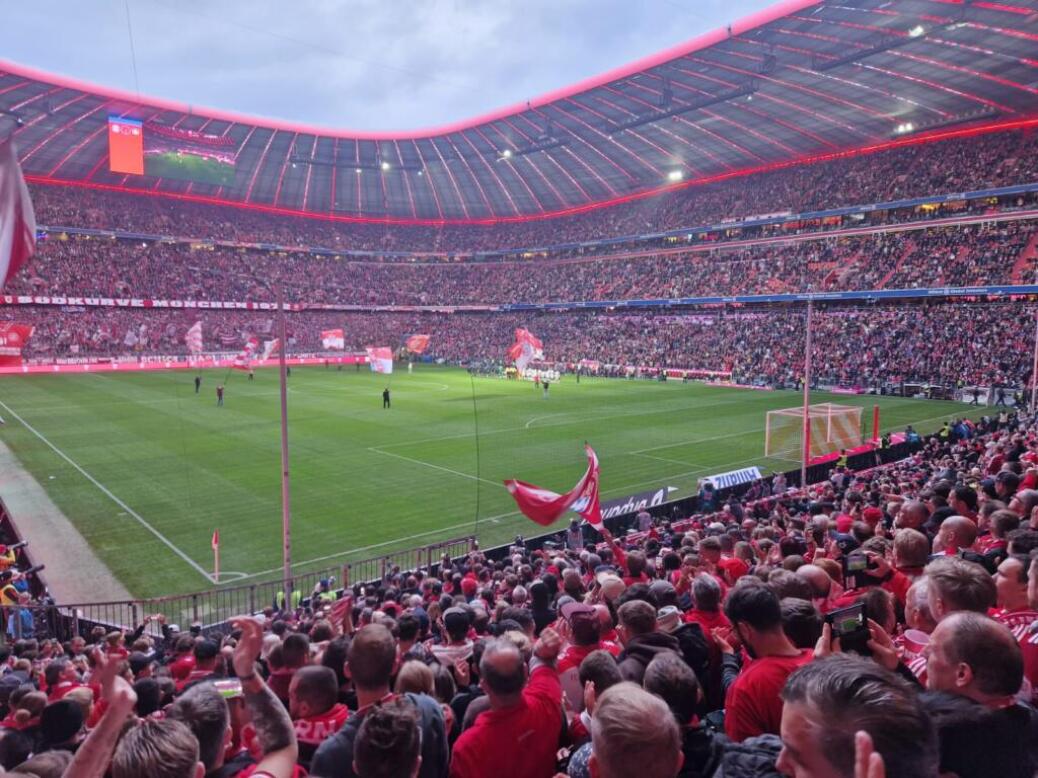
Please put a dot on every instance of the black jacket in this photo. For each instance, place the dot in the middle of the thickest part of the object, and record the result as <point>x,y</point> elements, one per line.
<point>334,757</point>
<point>642,649</point>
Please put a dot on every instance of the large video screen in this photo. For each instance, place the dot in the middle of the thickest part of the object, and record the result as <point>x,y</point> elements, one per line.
<point>145,148</point>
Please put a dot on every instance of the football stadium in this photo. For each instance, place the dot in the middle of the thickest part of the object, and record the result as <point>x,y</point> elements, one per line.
<point>680,421</point>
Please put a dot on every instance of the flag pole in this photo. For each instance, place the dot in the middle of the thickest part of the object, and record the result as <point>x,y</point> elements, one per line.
<point>475,421</point>
<point>806,453</point>
<point>286,505</point>
<point>216,559</point>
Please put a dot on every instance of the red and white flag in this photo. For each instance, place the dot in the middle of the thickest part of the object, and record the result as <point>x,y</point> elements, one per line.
<point>17,220</point>
<point>270,348</point>
<point>380,358</point>
<point>546,507</point>
<point>526,349</point>
<point>333,339</point>
<point>244,359</point>
<point>193,338</point>
<point>416,344</point>
<point>216,540</point>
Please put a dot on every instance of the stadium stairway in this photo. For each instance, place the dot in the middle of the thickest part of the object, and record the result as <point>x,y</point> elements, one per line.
<point>1025,262</point>
<point>905,254</point>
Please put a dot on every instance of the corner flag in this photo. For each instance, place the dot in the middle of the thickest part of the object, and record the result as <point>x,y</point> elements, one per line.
<point>216,555</point>
<point>545,507</point>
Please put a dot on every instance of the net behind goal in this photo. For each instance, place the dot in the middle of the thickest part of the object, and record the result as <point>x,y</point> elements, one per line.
<point>832,427</point>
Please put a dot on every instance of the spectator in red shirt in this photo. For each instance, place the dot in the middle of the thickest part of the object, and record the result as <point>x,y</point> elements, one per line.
<point>842,710</point>
<point>753,706</point>
<point>633,733</point>
<point>315,710</point>
<point>61,678</point>
<point>706,604</point>
<point>1011,583</point>
<point>184,661</point>
<point>956,533</point>
<point>520,733</point>
<point>999,525</point>
<point>584,631</point>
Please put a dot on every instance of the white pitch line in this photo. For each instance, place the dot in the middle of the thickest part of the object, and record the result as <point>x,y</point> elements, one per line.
<point>662,459</point>
<point>437,467</point>
<point>107,492</point>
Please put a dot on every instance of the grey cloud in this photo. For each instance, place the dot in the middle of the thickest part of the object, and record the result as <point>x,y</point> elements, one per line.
<point>363,64</point>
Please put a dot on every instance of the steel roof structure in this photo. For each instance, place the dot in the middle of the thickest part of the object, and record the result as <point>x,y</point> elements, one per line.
<point>800,80</point>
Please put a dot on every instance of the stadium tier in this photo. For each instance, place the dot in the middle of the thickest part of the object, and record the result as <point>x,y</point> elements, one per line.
<point>678,424</point>
<point>872,347</point>
<point>974,254</point>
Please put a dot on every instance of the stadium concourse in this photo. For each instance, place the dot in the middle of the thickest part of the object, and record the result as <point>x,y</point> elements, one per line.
<point>861,175</point>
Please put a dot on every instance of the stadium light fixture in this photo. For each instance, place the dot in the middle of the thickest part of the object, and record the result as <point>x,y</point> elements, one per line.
<point>507,153</point>
<point>675,176</point>
<point>385,166</point>
<point>917,31</point>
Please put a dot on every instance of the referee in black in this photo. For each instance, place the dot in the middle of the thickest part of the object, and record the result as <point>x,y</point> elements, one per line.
<point>385,397</point>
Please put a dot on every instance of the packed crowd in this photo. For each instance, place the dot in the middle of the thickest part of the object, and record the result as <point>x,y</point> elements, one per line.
<point>912,170</point>
<point>854,346</point>
<point>879,624</point>
<point>995,253</point>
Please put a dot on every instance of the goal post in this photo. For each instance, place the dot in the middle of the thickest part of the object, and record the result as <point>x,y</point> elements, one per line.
<point>831,427</point>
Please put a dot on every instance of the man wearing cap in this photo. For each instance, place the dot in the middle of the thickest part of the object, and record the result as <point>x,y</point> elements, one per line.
<point>456,623</point>
<point>583,630</point>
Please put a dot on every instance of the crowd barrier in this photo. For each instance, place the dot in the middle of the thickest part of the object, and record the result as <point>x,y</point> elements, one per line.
<point>212,610</point>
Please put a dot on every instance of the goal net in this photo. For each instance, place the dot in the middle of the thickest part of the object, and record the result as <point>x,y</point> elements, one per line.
<point>832,427</point>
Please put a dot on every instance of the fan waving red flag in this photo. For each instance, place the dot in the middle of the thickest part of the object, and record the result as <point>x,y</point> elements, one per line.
<point>545,507</point>
<point>417,344</point>
<point>17,221</point>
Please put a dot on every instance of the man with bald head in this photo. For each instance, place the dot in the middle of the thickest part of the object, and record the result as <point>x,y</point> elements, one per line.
<point>519,735</point>
<point>821,585</point>
<point>956,533</point>
<point>974,657</point>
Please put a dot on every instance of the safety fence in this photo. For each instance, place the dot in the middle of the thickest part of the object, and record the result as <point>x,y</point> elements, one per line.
<point>211,610</point>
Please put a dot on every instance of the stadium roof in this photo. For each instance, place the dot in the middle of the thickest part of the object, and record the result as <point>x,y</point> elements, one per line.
<point>801,79</point>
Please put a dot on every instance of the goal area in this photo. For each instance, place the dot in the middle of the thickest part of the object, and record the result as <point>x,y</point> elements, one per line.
<point>831,428</point>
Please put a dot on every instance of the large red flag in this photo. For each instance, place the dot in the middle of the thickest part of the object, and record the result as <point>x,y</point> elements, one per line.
<point>526,349</point>
<point>17,221</point>
<point>416,344</point>
<point>545,507</point>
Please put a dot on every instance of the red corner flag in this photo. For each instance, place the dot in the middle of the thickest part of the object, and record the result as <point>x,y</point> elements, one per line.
<point>216,555</point>
<point>216,540</point>
<point>545,507</point>
<point>17,222</point>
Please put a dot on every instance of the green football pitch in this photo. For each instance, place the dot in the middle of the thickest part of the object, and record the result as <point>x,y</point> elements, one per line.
<point>146,469</point>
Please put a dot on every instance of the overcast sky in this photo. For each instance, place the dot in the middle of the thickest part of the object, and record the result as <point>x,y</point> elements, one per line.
<point>361,64</point>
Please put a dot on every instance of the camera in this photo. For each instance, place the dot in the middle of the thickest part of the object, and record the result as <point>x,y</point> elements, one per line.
<point>851,626</point>
<point>854,566</point>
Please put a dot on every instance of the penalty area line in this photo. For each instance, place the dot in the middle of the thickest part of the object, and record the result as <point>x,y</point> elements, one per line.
<point>108,493</point>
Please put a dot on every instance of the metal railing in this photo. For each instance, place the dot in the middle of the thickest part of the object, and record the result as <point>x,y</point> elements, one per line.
<point>214,608</point>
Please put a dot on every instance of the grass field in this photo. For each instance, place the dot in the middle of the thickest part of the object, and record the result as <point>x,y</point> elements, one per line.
<point>364,481</point>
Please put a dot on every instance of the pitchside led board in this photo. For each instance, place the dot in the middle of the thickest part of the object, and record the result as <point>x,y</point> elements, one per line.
<point>148,149</point>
